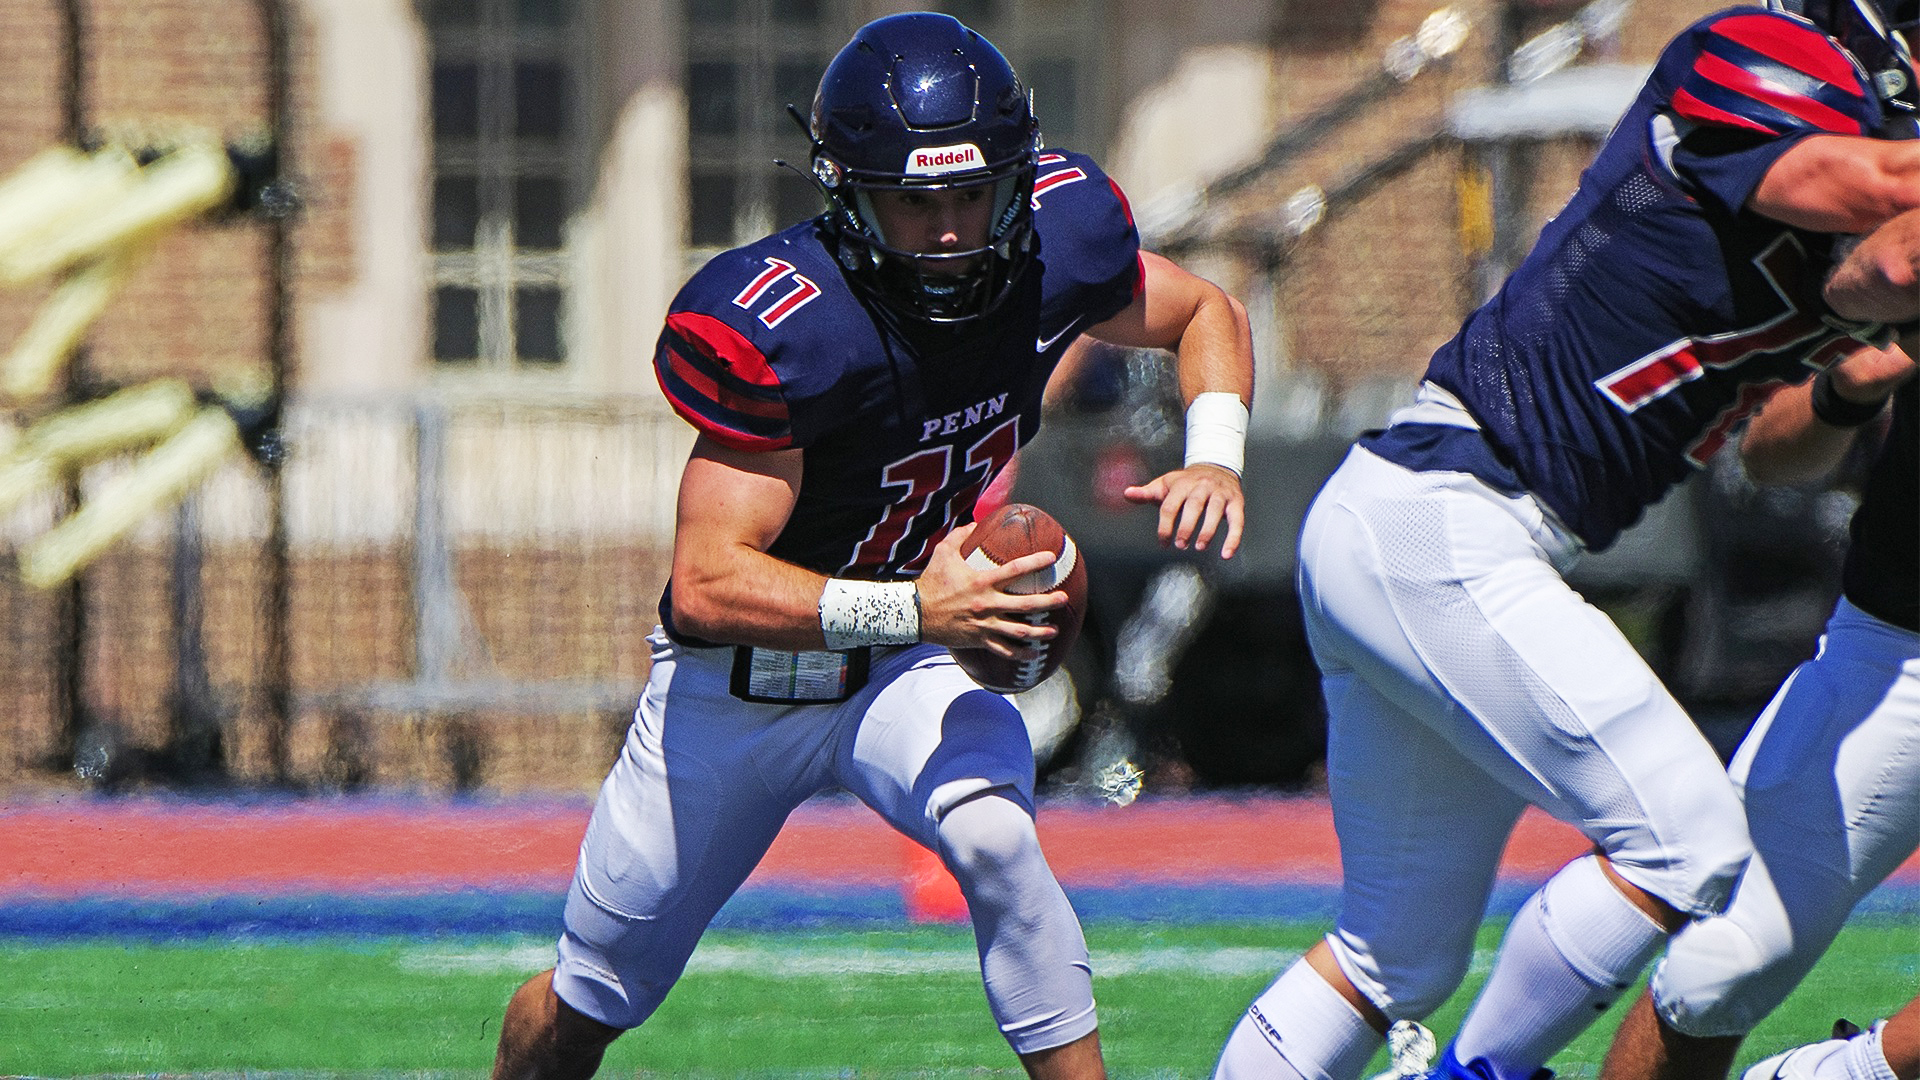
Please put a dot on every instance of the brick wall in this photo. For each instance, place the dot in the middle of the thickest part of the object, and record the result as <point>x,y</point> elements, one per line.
<point>154,69</point>
<point>1376,288</point>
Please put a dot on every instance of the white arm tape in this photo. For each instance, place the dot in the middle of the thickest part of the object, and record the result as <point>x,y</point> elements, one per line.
<point>1217,431</point>
<point>857,613</point>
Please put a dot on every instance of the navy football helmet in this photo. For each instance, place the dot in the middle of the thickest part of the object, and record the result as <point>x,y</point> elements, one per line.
<point>1874,32</point>
<point>920,101</point>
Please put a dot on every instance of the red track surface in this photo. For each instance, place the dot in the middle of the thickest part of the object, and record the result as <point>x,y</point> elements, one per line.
<point>81,845</point>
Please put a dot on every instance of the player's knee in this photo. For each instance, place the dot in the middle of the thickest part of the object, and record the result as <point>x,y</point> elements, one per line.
<point>1405,987</point>
<point>988,840</point>
<point>1699,884</point>
<point>1416,993</point>
<point>1720,980</point>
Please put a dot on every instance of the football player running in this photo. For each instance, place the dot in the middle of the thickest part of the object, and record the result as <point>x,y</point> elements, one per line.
<point>1464,678</point>
<point>1831,771</point>
<point>856,381</point>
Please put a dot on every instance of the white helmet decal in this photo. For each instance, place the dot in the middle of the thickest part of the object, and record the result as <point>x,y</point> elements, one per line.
<point>940,160</point>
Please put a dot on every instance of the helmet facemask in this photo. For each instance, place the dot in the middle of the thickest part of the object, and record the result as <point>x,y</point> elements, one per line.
<point>953,286</point>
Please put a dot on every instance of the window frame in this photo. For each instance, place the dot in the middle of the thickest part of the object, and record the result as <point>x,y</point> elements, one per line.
<point>497,268</point>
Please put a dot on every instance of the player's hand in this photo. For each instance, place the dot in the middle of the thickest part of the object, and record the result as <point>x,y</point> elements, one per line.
<point>1871,374</point>
<point>963,606</point>
<point>1193,503</point>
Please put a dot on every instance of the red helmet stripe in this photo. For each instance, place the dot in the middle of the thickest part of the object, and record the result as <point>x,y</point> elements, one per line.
<point>1742,81</point>
<point>1126,207</point>
<point>1800,48</point>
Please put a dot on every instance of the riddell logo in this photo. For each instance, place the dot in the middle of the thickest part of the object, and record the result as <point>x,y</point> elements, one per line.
<point>937,160</point>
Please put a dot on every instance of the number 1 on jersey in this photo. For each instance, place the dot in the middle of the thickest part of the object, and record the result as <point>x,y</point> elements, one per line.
<point>802,293</point>
<point>924,475</point>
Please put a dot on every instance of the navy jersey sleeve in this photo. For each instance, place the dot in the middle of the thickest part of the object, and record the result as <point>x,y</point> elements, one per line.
<point>1087,235</point>
<point>1750,84</point>
<point>718,381</point>
<point>710,366</point>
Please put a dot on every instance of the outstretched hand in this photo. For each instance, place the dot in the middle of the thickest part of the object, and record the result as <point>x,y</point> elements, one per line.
<point>1193,502</point>
<point>963,606</point>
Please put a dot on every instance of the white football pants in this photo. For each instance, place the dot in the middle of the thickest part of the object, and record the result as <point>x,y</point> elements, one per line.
<point>1831,774</point>
<point>705,781</point>
<point>1464,679</point>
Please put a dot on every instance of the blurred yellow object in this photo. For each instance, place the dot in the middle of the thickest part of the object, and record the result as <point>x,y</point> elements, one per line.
<point>22,478</point>
<point>58,190</point>
<point>182,185</point>
<point>157,480</point>
<point>1473,187</point>
<point>132,418</point>
<point>61,323</point>
<point>59,185</point>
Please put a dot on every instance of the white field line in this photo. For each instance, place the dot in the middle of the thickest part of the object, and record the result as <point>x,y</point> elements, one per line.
<point>800,961</point>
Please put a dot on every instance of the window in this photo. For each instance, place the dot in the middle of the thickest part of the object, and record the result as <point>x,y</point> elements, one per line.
<point>746,61</point>
<point>506,113</point>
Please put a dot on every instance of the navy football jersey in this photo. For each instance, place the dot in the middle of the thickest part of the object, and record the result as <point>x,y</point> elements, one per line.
<point>1655,312</point>
<point>1882,574</point>
<point>768,347</point>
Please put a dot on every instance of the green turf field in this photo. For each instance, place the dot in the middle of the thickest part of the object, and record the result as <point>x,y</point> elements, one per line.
<point>869,1004</point>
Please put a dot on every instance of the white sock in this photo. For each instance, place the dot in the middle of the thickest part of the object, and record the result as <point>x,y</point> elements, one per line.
<point>1861,1057</point>
<point>1300,1028</point>
<point>1865,1058</point>
<point>1574,947</point>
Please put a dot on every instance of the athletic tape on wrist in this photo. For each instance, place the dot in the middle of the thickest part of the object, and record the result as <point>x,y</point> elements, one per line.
<point>1837,411</point>
<point>1217,431</point>
<point>857,613</point>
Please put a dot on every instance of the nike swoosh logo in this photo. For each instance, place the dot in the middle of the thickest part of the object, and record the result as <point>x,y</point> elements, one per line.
<point>1045,343</point>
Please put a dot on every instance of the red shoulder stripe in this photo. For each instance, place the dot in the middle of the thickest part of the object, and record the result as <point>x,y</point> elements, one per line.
<point>1126,207</point>
<point>1799,47</point>
<point>720,433</point>
<point>1702,113</point>
<point>1742,81</point>
<point>707,388</point>
<point>726,345</point>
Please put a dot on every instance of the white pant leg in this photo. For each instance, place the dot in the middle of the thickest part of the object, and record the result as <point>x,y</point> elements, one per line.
<point>702,785</point>
<point>950,765</point>
<point>1417,860</point>
<point>1439,595</point>
<point>1831,774</point>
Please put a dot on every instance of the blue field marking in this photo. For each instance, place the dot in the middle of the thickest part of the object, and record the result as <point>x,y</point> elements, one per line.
<point>764,908</point>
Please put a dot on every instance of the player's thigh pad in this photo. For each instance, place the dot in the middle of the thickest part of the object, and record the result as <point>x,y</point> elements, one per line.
<point>702,785</point>
<point>1443,595</point>
<point>1831,773</point>
<point>930,738</point>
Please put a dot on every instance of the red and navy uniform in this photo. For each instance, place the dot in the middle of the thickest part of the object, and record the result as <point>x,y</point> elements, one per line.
<point>769,348</point>
<point>1655,312</point>
<point>1882,573</point>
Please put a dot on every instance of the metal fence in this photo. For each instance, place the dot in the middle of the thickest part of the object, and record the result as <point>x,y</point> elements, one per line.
<point>460,573</point>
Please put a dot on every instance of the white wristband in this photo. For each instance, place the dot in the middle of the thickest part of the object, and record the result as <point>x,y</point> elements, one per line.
<point>1217,431</point>
<point>857,613</point>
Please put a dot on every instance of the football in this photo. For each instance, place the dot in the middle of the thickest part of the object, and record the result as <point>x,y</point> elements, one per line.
<point>1014,530</point>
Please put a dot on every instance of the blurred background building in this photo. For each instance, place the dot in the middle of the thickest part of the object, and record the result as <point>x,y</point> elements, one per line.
<point>481,212</point>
